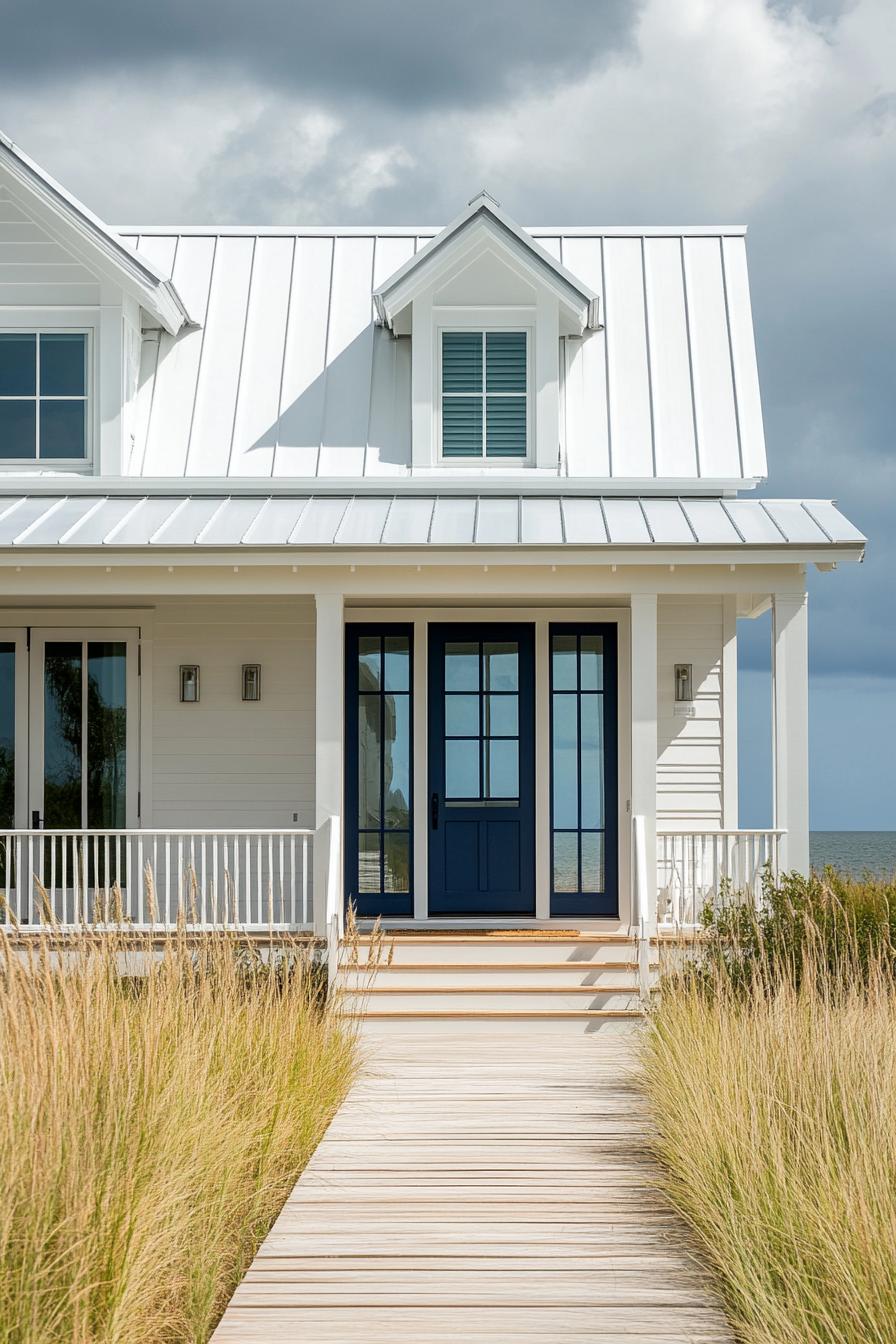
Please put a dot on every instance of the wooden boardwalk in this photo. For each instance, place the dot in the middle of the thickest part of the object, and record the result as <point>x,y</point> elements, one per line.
<point>480,1187</point>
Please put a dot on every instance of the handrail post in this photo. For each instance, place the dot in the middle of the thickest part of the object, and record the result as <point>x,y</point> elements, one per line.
<point>328,902</point>
<point>640,914</point>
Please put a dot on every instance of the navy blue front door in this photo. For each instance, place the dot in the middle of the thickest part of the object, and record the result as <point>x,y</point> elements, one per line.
<point>481,770</point>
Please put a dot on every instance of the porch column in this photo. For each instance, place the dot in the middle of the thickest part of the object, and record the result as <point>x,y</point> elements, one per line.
<point>790,695</point>
<point>644,731</point>
<point>329,739</point>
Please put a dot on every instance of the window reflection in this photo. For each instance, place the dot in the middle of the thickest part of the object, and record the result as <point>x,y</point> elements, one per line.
<point>7,735</point>
<point>482,721</point>
<point>578,762</point>
<point>384,762</point>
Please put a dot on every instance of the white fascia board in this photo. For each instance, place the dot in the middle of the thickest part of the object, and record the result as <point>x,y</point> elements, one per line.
<point>733,559</point>
<point>423,482</point>
<point>79,230</point>
<point>396,292</point>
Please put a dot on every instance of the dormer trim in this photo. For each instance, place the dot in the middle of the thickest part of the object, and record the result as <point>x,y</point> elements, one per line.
<point>579,303</point>
<point>80,231</point>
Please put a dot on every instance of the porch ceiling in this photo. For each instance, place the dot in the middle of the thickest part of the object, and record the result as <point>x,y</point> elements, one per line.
<point>260,522</point>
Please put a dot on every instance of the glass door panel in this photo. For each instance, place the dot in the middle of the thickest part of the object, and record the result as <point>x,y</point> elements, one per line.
<point>583,770</point>
<point>7,735</point>
<point>481,770</point>
<point>83,739</point>
<point>379,725</point>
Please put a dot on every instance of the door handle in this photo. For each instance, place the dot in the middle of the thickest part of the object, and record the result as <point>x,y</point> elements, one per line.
<point>434,811</point>
<point>37,821</point>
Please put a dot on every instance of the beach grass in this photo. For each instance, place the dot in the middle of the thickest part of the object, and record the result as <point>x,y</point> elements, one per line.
<point>770,1069</point>
<point>155,1111</point>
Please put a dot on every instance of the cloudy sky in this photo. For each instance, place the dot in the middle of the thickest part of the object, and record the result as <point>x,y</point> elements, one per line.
<point>569,111</point>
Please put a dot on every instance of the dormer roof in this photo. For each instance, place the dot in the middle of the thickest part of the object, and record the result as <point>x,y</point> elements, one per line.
<point>484,216</point>
<point>83,234</point>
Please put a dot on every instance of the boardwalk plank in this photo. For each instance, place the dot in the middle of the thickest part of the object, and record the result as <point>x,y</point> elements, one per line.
<point>482,1188</point>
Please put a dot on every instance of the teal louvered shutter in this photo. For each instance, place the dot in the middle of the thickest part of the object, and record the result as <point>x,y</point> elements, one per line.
<point>484,386</point>
<point>505,375</point>
<point>462,394</point>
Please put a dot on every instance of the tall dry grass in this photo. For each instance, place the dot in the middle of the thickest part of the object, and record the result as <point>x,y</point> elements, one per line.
<point>772,1083</point>
<point>151,1127</point>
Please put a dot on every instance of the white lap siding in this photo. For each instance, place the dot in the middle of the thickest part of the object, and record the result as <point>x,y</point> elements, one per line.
<point>223,762</point>
<point>690,750</point>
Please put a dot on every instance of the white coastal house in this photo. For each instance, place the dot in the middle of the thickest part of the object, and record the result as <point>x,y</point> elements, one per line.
<point>393,566</point>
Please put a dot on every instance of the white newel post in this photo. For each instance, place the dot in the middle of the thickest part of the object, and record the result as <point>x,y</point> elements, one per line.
<point>644,739</point>
<point>790,693</point>
<point>329,755</point>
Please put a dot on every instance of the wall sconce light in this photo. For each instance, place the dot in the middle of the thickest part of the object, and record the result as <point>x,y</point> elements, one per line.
<point>189,683</point>
<point>252,681</point>
<point>684,682</point>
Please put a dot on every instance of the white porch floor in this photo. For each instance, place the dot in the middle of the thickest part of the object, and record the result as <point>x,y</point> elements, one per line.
<point>481,1187</point>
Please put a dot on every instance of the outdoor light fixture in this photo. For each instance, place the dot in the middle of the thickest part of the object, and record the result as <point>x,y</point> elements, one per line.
<point>251,681</point>
<point>683,682</point>
<point>189,683</point>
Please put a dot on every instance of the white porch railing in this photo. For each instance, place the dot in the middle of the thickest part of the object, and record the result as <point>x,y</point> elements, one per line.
<point>247,879</point>
<point>695,867</point>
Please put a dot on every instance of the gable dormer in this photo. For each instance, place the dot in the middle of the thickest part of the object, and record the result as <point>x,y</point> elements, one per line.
<point>485,307</point>
<point>74,302</point>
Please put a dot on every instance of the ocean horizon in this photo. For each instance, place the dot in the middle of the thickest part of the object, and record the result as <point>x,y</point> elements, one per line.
<point>854,852</point>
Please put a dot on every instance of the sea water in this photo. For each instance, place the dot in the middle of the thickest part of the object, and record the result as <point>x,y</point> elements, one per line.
<point>855,852</point>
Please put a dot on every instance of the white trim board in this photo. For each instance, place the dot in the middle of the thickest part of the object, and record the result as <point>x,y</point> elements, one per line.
<point>541,618</point>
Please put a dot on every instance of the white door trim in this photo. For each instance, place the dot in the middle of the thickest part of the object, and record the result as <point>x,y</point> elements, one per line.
<point>541,617</point>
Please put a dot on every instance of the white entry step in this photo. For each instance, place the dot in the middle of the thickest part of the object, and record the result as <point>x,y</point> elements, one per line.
<point>570,981</point>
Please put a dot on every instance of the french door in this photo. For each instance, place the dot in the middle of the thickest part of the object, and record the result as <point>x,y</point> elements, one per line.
<point>481,770</point>
<point>82,759</point>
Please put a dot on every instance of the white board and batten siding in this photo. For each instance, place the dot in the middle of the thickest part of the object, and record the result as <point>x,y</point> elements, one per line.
<point>691,750</point>
<point>287,375</point>
<point>222,762</point>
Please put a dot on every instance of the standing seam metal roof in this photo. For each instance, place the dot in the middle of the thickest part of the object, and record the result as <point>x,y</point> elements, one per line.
<point>404,520</point>
<point>287,376</point>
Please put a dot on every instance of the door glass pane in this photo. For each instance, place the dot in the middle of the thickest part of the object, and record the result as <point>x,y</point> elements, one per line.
<point>502,768</point>
<point>398,663</point>
<point>565,761</point>
<point>592,861</point>
<point>591,662</point>
<point>369,862</point>
<point>369,663</point>
<point>592,763</point>
<point>462,768</point>
<point>564,662</point>
<point>566,861</point>
<point>396,861</point>
<point>396,762</point>
<point>501,665</point>
<point>63,671</point>
<point>461,667</point>
<point>106,735</point>
<point>503,716</point>
<point>462,715</point>
<point>368,760</point>
<point>7,735</point>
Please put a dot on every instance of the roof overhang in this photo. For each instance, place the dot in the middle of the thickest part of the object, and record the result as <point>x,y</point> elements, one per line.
<point>83,234</point>
<point>438,528</point>
<point>484,216</point>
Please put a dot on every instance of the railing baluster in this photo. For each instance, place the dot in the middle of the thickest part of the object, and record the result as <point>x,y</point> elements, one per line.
<point>264,876</point>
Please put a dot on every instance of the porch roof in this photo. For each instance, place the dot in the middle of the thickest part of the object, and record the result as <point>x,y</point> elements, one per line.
<point>267,521</point>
